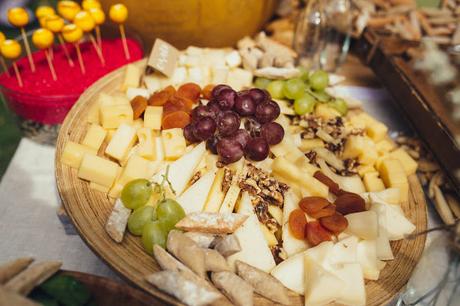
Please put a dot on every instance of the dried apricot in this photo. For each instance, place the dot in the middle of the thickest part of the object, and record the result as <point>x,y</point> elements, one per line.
<point>159,98</point>
<point>169,90</point>
<point>138,104</point>
<point>349,202</point>
<point>297,222</point>
<point>324,212</point>
<point>333,186</point>
<point>315,233</point>
<point>177,119</point>
<point>207,91</point>
<point>185,103</point>
<point>336,223</point>
<point>190,91</point>
<point>171,107</point>
<point>311,205</point>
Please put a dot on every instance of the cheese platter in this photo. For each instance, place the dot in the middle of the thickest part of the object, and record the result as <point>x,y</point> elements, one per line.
<point>273,178</point>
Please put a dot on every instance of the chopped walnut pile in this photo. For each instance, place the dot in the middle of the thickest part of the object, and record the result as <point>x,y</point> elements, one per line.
<point>227,181</point>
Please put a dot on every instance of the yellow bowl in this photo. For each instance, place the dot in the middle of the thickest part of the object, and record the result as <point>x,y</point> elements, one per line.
<point>205,23</point>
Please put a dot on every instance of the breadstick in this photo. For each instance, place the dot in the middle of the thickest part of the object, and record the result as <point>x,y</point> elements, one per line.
<point>442,207</point>
<point>27,280</point>
<point>10,269</point>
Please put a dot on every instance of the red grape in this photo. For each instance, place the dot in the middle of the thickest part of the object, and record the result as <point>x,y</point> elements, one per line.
<point>267,112</point>
<point>226,99</point>
<point>217,89</point>
<point>229,150</point>
<point>259,95</point>
<point>257,149</point>
<point>211,144</point>
<point>204,128</point>
<point>242,136</point>
<point>199,112</point>
<point>188,133</point>
<point>228,123</point>
<point>272,132</point>
<point>245,105</point>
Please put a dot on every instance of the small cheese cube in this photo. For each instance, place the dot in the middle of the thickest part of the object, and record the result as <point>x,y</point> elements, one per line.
<point>325,111</point>
<point>73,153</point>
<point>136,167</point>
<point>179,76</point>
<point>94,136</point>
<point>153,116</point>
<point>369,154</point>
<point>105,99</point>
<point>372,182</point>
<point>192,50</point>
<point>138,124</point>
<point>206,75</point>
<point>173,143</point>
<point>239,78</point>
<point>111,116</point>
<point>192,60</point>
<point>131,152</point>
<point>133,92</point>
<point>132,77</point>
<point>98,170</point>
<point>385,146</point>
<point>363,169</point>
<point>98,187</point>
<point>195,75</point>
<point>147,144</point>
<point>110,133</point>
<point>93,114</point>
<point>233,59</point>
<point>376,130</point>
<point>393,175</point>
<point>152,83</point>
<point>310,144</point>
<point>354,146</point>
<point>379,161</point>
<point>408,163</point>
<point>219,75</point>
<point>215,58</point>
<point>121,142</point>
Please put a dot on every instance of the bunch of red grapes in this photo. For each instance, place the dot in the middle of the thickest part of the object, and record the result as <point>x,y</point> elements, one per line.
<point>218,123</point>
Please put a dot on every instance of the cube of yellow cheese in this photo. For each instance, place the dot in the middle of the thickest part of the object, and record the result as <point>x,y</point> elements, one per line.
<point>152,117</point>
<point>376,130</point>
<point>147,144</point>
<point>393,175</point>
<point>110,133</point>
<point>94,136</point>
<point>122,141</point>
<point>98,187</point>
<point>408,163</point>
<point>363,169</point>
<point>73,153</point>
<point>369,153</point>
<point>310,144</point>
<point>379,161</point>
<point>326,112</point>
<point>372,182</point>
<point>93,114</point>
<point>354,146</point>
<point>359,121</point>
<point>385,146</point>
<point>136,168</point>
<point>111,116</point>
<point>132,77</point>
<point>173,143</point>
<point>98,170</point>
<point>138,124</point>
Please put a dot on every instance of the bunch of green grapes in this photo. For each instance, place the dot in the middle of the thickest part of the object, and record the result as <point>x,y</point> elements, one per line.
<point>152,223</point>
<point>305,91</point>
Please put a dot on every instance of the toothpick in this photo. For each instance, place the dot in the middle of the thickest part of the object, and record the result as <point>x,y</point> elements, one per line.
<point>29,54</point>
<point>125,44</point>
<point>5,68</point>
<point>66,51</point>
<point>50,64</point>
<point>96,47</point>
<point>98,37</point>
<point>80,59</point>
<point>18,75</point>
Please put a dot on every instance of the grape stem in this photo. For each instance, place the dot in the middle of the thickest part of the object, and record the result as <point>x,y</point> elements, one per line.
<point>159,187</point>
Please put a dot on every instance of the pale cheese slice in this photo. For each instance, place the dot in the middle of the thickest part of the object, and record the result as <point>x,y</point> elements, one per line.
<point>354,292</point>
<point>194,198</point>
<point>216,195</point>
<point>291,245</point>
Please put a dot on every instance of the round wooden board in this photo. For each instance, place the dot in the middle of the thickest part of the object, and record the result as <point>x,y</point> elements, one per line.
<point>89,210</point>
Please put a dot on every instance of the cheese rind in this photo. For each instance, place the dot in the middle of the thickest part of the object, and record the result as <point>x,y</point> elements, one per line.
<point>73,153</point>
<point>152,117</point>
<point>98,170</point>
<point>121,142</point>
<point>94,136</point>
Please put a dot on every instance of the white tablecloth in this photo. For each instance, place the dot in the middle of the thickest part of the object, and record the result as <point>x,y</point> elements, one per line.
<point>29,225</point>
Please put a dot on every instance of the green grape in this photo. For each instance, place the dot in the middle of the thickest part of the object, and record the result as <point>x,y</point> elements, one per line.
<point>136,193</point>
<point>139,218</point>
<point>304,73</point>
<point>153,233</point>
<point>261,83</point>
<point>321,96</point>
<point>340,105</point>
<point>275,88</point>
<point>294,89</point>
<point>304,104</point>
<point>319,80</point>
<point>170,212</point>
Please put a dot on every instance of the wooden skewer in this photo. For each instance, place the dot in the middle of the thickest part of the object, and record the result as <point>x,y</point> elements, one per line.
<point>50,64</point>
<point>96,47</point>
<point>80,59</point>
<point>125,44</point>
<point>98,37</point>
<point>18,75</point>
<point>29,54</point>
<point>5,68</point>
<point>66,51</point>
<point>51,53</point>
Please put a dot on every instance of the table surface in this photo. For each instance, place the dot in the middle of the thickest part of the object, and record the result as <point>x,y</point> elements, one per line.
<point>29,225</point>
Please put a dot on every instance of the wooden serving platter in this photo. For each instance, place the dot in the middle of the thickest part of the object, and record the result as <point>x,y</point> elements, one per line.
<point>89,210</point>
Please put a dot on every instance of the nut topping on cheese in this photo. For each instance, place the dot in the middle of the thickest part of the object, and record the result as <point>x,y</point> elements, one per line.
<point>213,223</point>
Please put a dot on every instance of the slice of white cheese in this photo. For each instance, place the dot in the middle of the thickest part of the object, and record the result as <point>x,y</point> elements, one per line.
<point>321,286</point>
<point>291,244</point>
<point>182,170</point>
<point>343,252</point>
<point>384,251</point>
<point>354,292</point>
<point>367,258</point>
<point>194,198</point>
<point>254,248</point>
<point>216,195</point>
<point>363,224</point>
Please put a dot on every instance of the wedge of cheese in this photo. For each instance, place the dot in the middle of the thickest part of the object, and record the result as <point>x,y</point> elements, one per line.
<point>194,198</point>
<point>354,292</point>
<point>122,141</point>
<point>216,195</point>
<point>291,244</point>
<point>252,240</point>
